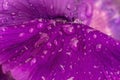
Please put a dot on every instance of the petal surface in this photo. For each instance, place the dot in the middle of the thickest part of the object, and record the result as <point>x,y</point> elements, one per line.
<point>60,51</point>
<point>17,11</point>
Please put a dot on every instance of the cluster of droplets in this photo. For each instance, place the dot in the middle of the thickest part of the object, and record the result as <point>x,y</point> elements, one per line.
<point>61,46</point>
<point>15,11</point>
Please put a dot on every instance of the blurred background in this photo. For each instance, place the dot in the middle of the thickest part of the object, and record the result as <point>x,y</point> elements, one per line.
<point>106,17</point>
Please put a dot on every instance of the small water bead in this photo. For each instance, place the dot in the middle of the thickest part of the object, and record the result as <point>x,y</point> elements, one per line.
<point>26,48</point>
<point>43,38</point>
<point>53,22</point>
<point>43,78</point>
<point>40,25</point>
<point>117,43</point>
<point>28,60</point>
<point>62,67</point>
<point>68,6</point>
<point>45,52</point>
<point>13,13</point>
<point>94,36</point>
<point>69,29</point>
<point>60,50</point>
<point>31,30</point>
<point>74,42</point>
<point>98,46</point>
<point>68,53</point>
<point>118,72</point>
<point>55,42</point>
<point>21,34</point>
<point>71,78</point>
<point>95,66</point>
<point>22,26</point>
<point>3,29</point>
<point>70,66</point>
<point>77,21</point>
<point>40,20</point>
<point>33,61</point>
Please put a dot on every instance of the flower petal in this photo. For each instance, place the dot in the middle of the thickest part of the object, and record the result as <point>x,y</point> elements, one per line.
<point>57,53</point>
<point>17,11</point>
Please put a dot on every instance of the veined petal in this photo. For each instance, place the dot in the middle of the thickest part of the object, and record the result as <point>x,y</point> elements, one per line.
<point>57,53</point>
<point>17,11</point>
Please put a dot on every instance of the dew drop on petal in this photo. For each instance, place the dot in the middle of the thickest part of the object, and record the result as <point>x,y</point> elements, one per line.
<point>68,29</point>
<point>33,61</point>
<point>31,30</point>
<point>94,36</point>
<point>71,78</point>
<point>21,34</point>
<point>74,42</point>
<point>98,46</point>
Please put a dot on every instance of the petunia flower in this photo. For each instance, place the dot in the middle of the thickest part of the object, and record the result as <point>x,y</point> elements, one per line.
<point>45,44</point>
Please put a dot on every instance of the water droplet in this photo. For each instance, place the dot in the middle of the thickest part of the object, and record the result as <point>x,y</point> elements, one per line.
<point>31,30</point>
<point>3,29</point>
<point>117,43</point>
<point>43,78</point>
<point>62,67</point>
<point>40,25</point>
<point>69,29</point>
<point>74,42</point>
<point>26,48</point>
<point>55,42</point>
<point>68,53</point>
<point>71,78</point>
<point>43,38</point>
<point>21,34</point>
<point>45,52</point>
<point>98,46</point>
<point>94,36</point>
<point>95,66</point>
<point>33,61</point>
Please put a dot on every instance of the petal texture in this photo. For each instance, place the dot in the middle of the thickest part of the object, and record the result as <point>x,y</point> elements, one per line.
<point>18,11</point>
<point>59,51</point>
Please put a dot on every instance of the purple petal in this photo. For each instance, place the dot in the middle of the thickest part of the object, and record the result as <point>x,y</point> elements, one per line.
<point>17,11</point>
<point>59,51</point>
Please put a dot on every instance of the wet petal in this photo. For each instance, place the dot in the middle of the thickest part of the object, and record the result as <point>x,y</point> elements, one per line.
<point>57,54</point>
<point>17,11</point>
<point>15,35</point>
